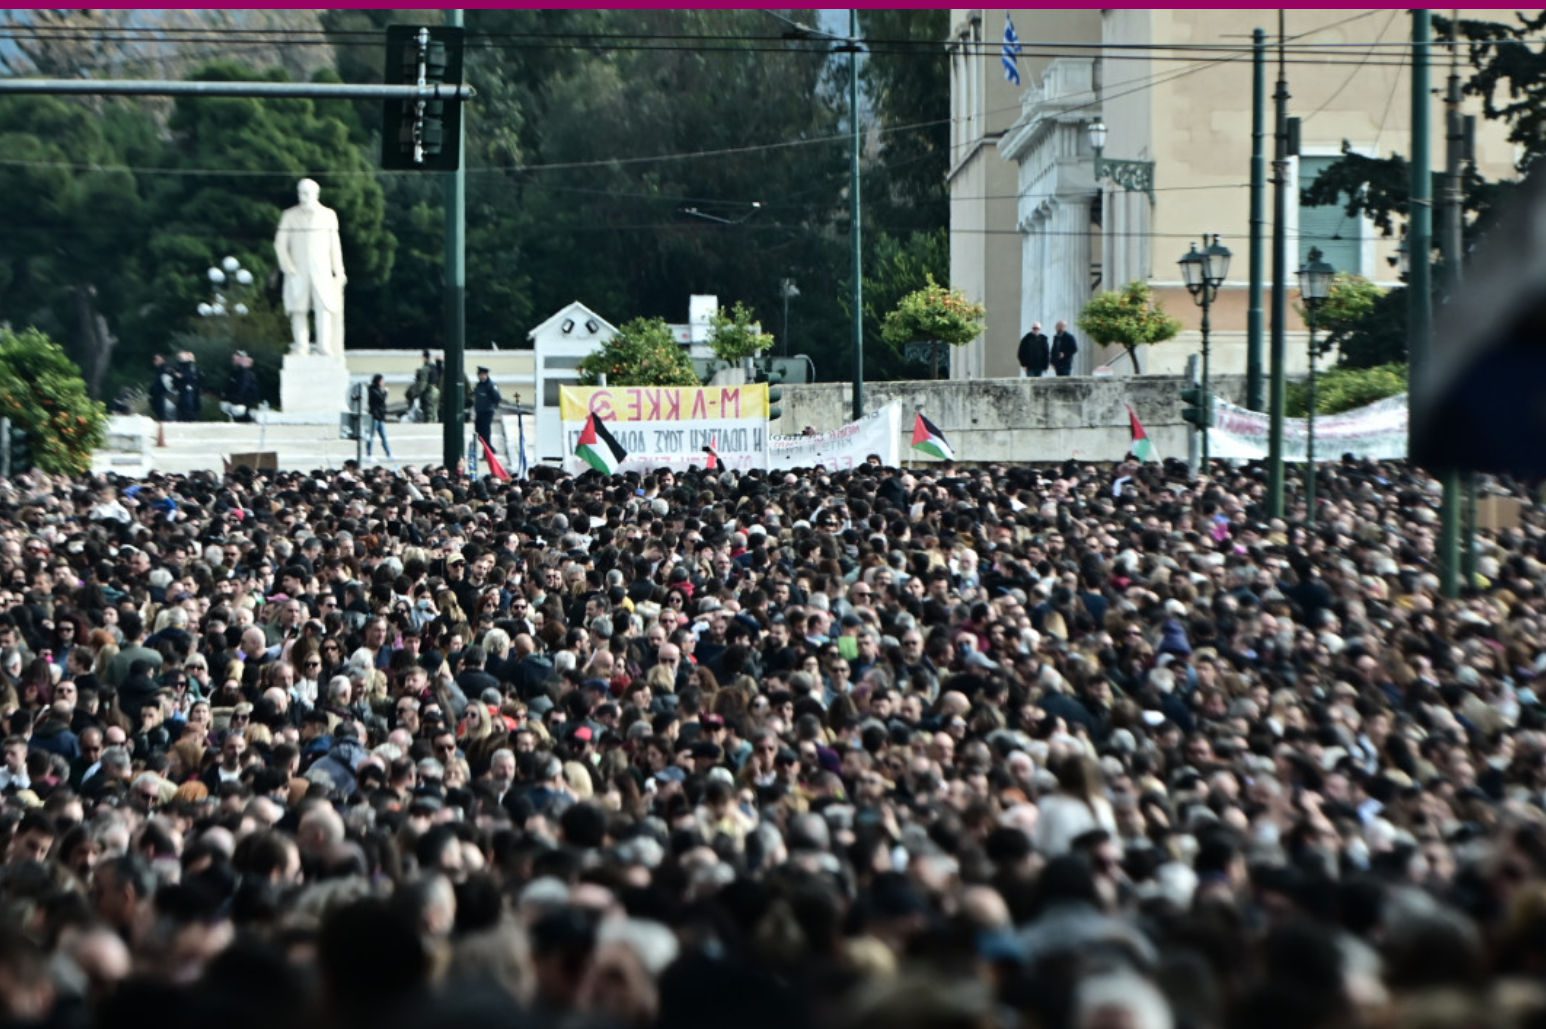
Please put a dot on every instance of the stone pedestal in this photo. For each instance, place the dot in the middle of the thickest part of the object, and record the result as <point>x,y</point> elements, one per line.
<point>314,385</point>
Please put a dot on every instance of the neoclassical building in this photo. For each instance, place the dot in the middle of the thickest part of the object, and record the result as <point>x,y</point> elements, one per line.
<point>1034,232</point>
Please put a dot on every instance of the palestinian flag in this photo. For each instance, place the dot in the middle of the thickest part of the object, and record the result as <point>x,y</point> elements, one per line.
<point>928,438</point>
<point>599,448</point>
<point>1141,447</point>
<point>712,463</point>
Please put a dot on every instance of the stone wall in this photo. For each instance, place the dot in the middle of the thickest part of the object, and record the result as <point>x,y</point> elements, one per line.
<point>1045,419</point>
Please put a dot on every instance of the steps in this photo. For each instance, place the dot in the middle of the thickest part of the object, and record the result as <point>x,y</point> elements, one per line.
<point>131,449</point>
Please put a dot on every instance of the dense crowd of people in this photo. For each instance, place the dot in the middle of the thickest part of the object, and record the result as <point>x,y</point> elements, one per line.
<point>1100,747</point>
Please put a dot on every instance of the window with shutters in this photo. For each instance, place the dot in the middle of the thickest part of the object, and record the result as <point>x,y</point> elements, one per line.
<point>1339,235</point>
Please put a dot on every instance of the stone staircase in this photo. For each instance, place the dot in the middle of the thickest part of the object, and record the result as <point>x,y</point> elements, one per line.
<point>131,446</point>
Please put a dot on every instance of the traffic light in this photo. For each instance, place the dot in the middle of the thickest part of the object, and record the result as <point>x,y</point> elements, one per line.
<point>18,450</point>
<point>775,395</point>
<point>422,135</point>
<point>1197,407</point>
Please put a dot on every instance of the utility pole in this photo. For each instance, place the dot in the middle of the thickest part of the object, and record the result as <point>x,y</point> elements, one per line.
<point>452,388</point>
<point>1420,276</point>
<point>1277,398</point>
<point>1455,560</point>
<point>1255,316</point>
<point>853,196</point>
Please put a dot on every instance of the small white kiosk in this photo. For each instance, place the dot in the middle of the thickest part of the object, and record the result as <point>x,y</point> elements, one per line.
<point>559,345</point>
<point>568,337</point>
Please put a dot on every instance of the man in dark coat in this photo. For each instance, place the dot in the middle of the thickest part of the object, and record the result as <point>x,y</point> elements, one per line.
<point>1063,350</point>
<point>1034,352</point>
<point>485,404</point>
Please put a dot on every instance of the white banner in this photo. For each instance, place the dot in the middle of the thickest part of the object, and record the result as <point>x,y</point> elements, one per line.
<point>1377,431</point>
<point>845,447</point>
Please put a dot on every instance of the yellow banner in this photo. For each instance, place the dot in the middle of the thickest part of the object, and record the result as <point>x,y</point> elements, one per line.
<point>664,403</point>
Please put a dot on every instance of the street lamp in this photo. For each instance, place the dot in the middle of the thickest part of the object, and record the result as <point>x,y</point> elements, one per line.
<point>1136,176</point>
<point>1315,277</point>
<point>1204,271</point>
<point>787,290</point>
<point>228,272</point>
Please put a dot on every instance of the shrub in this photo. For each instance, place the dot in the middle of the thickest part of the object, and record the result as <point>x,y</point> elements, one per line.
<point>643,353</point>
<point>1343,389</point>
<point>934,313</point>
<point>1127,318</point>
<point>42,392</point>
<point>736,336</point>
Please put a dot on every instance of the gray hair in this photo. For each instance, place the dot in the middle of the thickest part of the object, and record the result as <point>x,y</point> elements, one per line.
<point>1100,995</point>
<point>652,943</point>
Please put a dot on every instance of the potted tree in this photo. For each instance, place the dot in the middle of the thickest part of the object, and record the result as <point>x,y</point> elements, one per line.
<point>737,338</point>
<point>1128,318</point>
<point>643,353</point>
<point>928,321</point>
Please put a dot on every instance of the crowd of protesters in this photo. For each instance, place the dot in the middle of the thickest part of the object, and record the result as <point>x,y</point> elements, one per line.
<point>1089,746</point>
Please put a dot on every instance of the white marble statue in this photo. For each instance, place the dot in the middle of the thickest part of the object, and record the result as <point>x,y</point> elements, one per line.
<point>311,257</point>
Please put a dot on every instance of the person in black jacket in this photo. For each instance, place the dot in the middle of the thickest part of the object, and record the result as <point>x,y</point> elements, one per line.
<point>189,387</point>
<point>485,404</point>
<point>241,389</point>
<point>377,401</point>
<point>1063,350</point>
<point>163,388</point>
<point>1034,354</point>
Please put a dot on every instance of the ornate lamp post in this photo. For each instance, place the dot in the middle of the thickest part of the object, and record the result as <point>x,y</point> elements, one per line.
<point>1315,277</point>
<point>229,272</point>
<point>1204,271</point>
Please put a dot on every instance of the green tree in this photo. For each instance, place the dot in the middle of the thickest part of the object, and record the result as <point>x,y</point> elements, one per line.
<point>643,353</point>
<point>738,335</point>
<point>75,220</point>
<point>1344,389</point>
<point>894,267</point>
<point>1129,318</point>
<point>1345,311</point>
<point>42,392</point>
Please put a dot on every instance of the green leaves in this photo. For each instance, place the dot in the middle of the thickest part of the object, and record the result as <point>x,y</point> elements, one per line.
<point>737,336</point>
<point>643,353</point>
<point>1343,389</point>
<point>42,392</point>
<point>1128,318</point>
<point>933,313</point>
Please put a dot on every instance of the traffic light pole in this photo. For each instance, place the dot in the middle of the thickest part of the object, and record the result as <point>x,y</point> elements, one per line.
<point>1420,275</point>
<point>1456,556</point>
<point>452,385</point>
<point>246,90</point>
<point>853,191</point>
<point>1254,313</point>
<point>1278,392</point>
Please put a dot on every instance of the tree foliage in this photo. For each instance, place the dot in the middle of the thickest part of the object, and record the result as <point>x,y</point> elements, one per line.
<point>934,313</point>
<point>643,353</point>
<point>738,335</point>
<point>42,392</point>
<point>1344,389</point>
<point>1129,318</point>
<point>581,158</point>
<point>1347,306</point>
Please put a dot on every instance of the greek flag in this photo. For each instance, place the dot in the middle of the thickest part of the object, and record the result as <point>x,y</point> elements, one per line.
<point>1011,52</point>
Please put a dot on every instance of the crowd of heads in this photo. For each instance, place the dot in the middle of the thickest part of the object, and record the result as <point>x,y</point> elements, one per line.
<point>1097,746</point>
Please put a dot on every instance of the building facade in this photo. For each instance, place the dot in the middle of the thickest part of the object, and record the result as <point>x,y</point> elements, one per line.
<point>1174,91</point>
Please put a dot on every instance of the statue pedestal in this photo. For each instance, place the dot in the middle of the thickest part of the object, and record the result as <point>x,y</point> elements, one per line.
<point>314,385</point>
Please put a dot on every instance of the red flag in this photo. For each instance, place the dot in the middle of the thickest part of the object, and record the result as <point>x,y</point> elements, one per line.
<point>496,469</point>
<point>711,463</point>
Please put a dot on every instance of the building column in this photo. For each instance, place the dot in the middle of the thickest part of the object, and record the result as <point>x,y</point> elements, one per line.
<point>1070,286</point>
